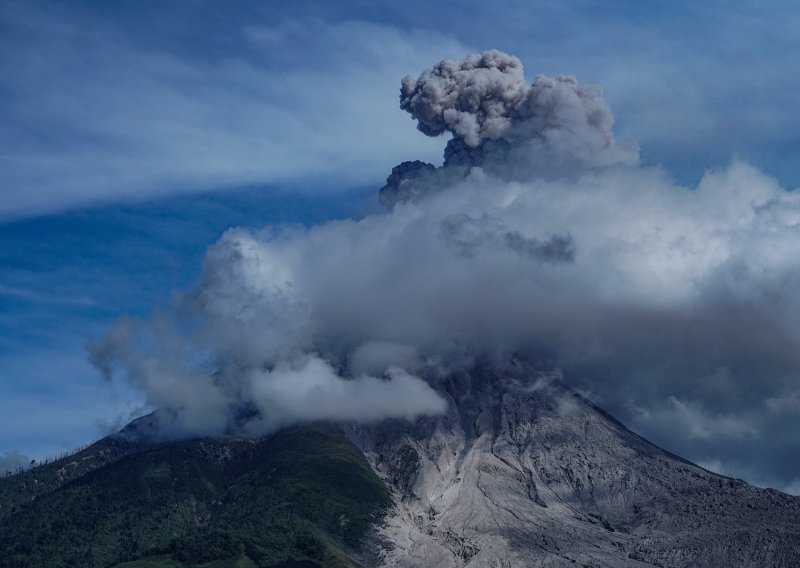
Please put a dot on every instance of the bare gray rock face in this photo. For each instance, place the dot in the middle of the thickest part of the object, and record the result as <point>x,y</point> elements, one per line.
<point>523,472</point>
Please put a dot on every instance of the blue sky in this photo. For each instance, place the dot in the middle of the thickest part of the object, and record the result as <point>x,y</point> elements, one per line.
<point>66,276</point>
<point>132,134</point>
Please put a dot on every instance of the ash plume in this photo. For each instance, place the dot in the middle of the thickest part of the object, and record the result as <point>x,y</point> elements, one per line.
<point>675,307</point>
<point>511,130</point>
<point>474,99</point>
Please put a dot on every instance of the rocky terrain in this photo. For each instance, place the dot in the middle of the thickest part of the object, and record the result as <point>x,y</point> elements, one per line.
<point>522,472</point>
<point>519,472</point>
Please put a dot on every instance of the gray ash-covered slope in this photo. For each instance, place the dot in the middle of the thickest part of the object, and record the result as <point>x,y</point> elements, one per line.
<point>522,472</point>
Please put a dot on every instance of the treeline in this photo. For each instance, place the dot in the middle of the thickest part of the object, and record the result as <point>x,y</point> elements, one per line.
<point>46,461</point>
<point>300,498</point>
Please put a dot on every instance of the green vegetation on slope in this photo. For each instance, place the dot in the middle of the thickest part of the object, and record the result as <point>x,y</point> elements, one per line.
<point>18,490</point>
<point>302,497</point>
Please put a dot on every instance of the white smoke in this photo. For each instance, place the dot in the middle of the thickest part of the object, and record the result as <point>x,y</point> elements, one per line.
<point>309,389</point>
<point>630,284</point>
<point>241,389</point>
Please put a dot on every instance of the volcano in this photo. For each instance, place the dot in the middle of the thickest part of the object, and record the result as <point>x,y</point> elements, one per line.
<point>523,472</point>
<point>387,391</point>
<point>519,471</point>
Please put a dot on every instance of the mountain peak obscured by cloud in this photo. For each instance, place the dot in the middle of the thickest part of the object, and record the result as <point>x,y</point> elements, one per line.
<point>675,307</point>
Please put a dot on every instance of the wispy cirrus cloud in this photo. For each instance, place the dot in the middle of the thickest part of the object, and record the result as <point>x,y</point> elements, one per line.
<point>94,114</point>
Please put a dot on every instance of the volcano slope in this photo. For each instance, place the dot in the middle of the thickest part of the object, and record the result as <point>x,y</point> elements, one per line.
<point>302,497</point>
<point>523,472</point>
<point>519,471</point>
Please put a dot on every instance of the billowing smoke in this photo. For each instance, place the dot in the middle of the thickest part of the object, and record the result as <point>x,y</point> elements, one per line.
<point>676,307</point>
<point>475,99</point>
<point>250,387</point>
<point>512,130</point>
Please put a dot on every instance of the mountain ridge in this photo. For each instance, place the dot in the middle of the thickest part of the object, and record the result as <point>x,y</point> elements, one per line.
<point>300,497</point>
<point>519,471</point>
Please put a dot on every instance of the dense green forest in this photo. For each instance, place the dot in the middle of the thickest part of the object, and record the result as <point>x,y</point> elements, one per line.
<point>303,497</point>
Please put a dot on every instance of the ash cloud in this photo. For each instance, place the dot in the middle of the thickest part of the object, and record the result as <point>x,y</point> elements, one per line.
<point>465,235</point>
<point>675,307</point>
<point>511,130</point>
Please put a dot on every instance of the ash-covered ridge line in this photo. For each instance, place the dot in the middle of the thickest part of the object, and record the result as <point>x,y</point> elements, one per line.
<point>522,472</point>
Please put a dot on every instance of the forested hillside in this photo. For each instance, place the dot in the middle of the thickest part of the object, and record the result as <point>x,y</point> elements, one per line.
<point>303,497</point>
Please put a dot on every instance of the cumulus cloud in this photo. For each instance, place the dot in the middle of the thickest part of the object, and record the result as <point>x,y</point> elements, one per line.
<point>310,389</point>
<point>648,269</point>
<point>665,302</point>
<point>239,392</point>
